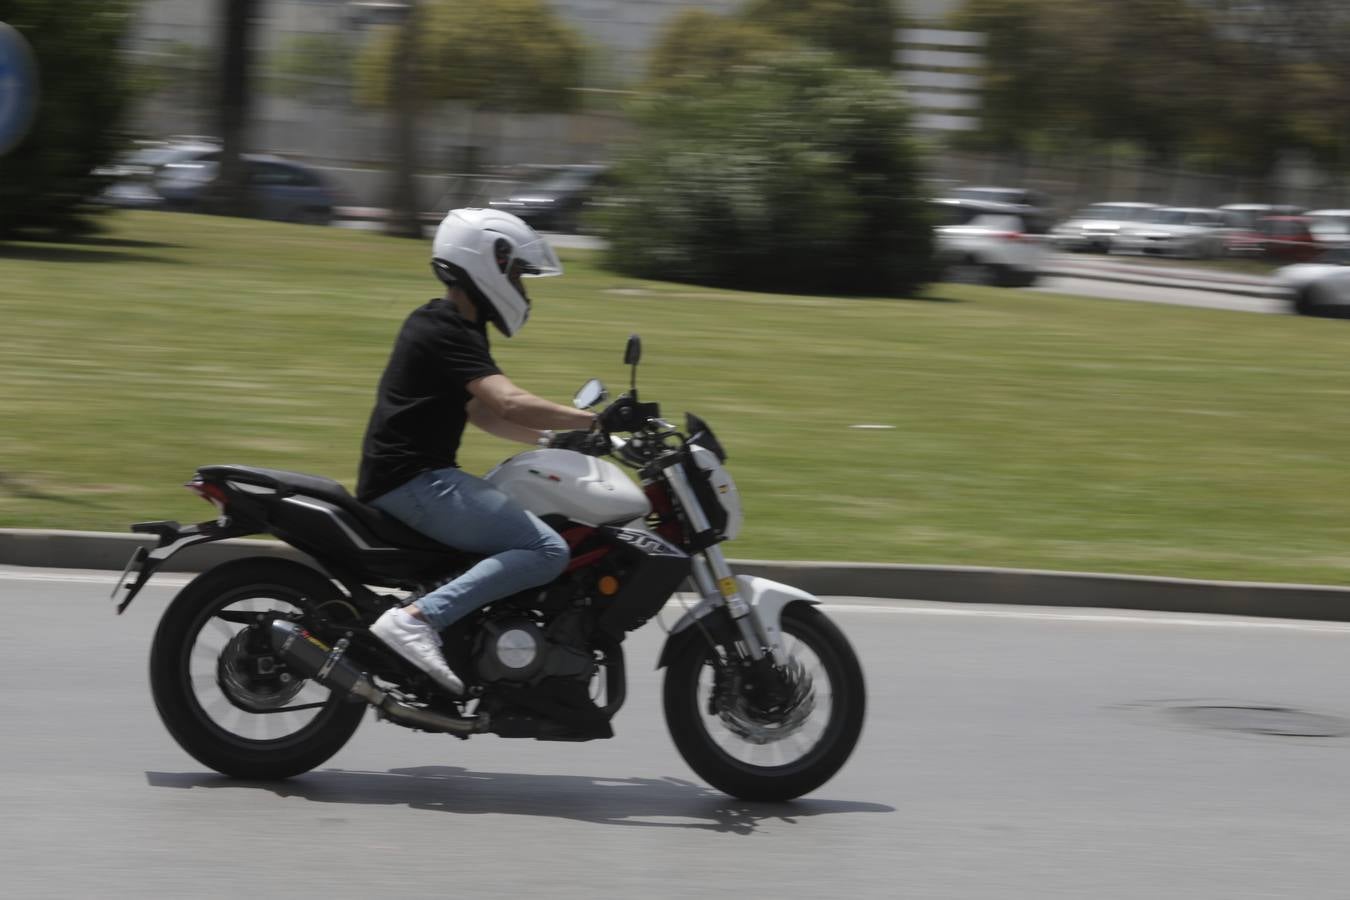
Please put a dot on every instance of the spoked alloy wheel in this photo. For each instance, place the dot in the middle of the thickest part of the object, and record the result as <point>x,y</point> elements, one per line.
<point>221,691</point>
<point>768,745</point>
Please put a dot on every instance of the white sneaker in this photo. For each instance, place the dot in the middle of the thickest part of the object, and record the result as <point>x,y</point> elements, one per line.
<point>418,643</point>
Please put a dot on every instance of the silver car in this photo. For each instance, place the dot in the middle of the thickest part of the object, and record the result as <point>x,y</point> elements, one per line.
<point>1330,227</point>
<point>1093,227</point>
<point>1184,232</point>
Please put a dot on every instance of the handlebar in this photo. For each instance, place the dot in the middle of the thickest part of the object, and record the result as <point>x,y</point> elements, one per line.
<point>625,414</point>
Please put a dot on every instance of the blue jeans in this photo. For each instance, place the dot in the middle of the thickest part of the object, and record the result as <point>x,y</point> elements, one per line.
<point>459,509</point>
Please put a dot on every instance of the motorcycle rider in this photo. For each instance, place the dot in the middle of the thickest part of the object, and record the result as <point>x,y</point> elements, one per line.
<point>440,376</point>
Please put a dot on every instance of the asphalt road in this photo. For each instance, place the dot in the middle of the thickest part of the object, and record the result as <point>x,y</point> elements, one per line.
<point>1009,753</point>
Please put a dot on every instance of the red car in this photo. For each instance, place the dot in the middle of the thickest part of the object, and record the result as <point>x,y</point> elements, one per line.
<point>1284,238</point>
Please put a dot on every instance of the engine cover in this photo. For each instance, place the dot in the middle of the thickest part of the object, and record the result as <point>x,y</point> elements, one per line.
<point>515,649</point>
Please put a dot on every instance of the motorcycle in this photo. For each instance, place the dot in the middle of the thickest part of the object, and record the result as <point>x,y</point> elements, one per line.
<point>262,667</point>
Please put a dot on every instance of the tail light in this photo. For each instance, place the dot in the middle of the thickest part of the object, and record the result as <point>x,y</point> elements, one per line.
<point>1011,235</point>
<point>211,493</point>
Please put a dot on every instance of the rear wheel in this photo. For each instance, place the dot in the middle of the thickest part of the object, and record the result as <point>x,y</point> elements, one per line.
<point>1307,302</point>
<point>218,687</point>
<point>972,270</point>
<point>758,748</point>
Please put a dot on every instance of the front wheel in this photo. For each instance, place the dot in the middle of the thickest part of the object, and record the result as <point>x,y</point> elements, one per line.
<point>755,746</point>
<point>218,686</point>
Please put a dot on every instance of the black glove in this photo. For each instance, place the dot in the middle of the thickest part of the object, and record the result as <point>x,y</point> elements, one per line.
<point>619,415</point>
<point>592,443</point>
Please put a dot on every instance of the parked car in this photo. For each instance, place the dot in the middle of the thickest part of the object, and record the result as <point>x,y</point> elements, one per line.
<point>1182,232</point>
<point>134,173</point>
<point>1319,287</point>
<point>279,189</point>
<point>1245,215</point>
<point>555,199</point>
<point>1330,227</point>
<point>979,242</point>
<point>1032,205</point>
<point>1285,238</point>
<point>1093,227</point>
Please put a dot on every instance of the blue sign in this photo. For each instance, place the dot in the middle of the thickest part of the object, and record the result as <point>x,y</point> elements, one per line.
<point>18,87</point>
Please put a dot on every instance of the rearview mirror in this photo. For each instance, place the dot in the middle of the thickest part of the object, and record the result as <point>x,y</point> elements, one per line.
<point>591,393</point>
<point>633,352</point>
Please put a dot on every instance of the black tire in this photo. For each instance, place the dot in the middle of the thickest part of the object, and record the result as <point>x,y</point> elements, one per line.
<point>171,680</point>
<point>1305,302</point>
<point>973,270</point>
<point>687,722</point>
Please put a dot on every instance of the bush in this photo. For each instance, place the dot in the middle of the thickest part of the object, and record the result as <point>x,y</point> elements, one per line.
<point>46,182</point>
<point>796,175</point>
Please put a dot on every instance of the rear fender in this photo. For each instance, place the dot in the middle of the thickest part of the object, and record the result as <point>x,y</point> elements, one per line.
<point>172,538</point>
<point>767,599</point>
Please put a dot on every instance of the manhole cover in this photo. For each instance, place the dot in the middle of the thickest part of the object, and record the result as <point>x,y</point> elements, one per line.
<point>1276,720</point>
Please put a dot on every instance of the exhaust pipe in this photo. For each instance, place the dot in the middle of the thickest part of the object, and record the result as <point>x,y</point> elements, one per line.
<point>327,665</point>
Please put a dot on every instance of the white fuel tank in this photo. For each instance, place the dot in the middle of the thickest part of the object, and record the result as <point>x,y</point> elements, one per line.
<point>583,488</point>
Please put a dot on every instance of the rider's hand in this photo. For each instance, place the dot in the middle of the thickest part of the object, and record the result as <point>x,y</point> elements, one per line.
<point>592,443</point>
<point>619,415</point>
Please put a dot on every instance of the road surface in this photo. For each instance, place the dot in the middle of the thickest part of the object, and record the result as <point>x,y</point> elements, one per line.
<point>1009,752</point>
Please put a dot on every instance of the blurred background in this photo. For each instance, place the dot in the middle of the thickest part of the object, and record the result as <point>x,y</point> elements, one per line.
<point>392,108</point>
<point>723,171</point>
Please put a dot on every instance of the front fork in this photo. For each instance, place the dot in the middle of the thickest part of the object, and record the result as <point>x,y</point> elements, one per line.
<point>714,579</point>
<point>718,587</point>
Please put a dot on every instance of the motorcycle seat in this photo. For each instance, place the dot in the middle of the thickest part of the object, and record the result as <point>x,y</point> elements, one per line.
<point>381,524</point>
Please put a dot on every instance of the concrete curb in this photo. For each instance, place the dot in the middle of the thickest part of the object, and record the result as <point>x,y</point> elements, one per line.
<point>950,584</point>
<point>1220,287</point>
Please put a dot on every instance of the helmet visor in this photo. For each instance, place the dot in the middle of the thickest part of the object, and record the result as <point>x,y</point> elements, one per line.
<point>535,260</point>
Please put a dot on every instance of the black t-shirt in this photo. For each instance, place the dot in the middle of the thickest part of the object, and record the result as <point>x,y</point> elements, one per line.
<point>419,413</point>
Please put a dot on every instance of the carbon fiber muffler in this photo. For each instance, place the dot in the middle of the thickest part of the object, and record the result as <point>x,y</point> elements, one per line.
<point>329,667</point>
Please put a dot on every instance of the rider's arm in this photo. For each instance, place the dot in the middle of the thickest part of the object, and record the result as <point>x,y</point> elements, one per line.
<point>501,399</point>
<point>495,425</point>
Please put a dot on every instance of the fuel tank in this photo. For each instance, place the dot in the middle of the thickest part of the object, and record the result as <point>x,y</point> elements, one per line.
<point>582,488</point>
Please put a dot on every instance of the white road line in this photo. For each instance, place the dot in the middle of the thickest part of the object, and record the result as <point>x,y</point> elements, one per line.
<point>1217,621</point>
<point>178,579</point>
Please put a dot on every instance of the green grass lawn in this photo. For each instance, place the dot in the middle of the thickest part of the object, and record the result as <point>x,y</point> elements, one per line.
<point>1029,430</point>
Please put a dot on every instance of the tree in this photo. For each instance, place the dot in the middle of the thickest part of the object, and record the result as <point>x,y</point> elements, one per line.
<point>704,44</point>
<point>793,173</point>
<point>494,55</point>
<point>859,32</point>
<point>1022,79</point>
<point>48,180</point>
<point>1307,42</point>
<point>228,193</point>
<point>1230,84</point>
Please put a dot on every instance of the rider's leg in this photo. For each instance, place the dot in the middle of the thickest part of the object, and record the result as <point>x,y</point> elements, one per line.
<point>467,513</point>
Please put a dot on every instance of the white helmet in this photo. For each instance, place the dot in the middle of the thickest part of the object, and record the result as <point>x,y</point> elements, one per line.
<point>486,251</point>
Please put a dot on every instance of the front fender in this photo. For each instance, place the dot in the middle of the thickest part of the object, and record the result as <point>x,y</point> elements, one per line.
<point>767,599</point>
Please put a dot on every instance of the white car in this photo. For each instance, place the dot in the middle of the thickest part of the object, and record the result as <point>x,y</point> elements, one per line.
<point>987,243</point>
<point>1330,227</point>
<point>1320,287</point>
<point>1180,231</point>
<point>1093,227</point>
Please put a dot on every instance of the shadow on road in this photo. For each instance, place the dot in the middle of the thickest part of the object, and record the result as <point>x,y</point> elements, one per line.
<point>645,802</point>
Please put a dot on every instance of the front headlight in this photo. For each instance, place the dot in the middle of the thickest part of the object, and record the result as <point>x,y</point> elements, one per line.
<point>721,487</point>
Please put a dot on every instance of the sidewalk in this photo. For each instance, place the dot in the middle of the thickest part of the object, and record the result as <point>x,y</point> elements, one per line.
<point>948,584</point>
